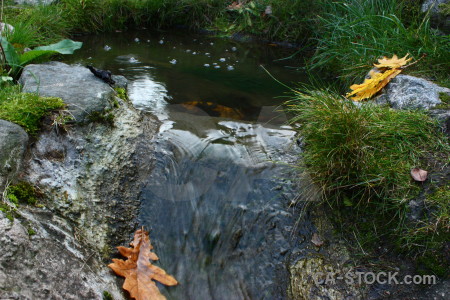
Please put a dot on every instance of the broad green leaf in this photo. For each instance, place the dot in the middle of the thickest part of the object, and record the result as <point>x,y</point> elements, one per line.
<point>63,47</point>
<point>12,58</point>
<point>33,55</point>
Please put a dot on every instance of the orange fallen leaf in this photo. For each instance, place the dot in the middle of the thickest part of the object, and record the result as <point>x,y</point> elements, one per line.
<point>419,174</point>
<point>139,273</point>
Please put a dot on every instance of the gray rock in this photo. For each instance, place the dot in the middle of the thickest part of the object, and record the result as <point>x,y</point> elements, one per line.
<point>13,143</point>
<point>120,81</point>
<point>6,28</point>
<point>76,85</point>
<point>33,2</point>
<point>42,259</point>
<point>439,18</point>
<point>408,92</point>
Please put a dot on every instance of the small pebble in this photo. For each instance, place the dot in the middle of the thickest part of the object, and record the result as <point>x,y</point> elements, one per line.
<point>211,44</point>
<point>107,48</point>
<point>173,61</point>
<point>136,40</point>
<point>206,65</point>
<point>222,59</point>
<point>217,67</point>
<point>207,54</point>
<point>188,50</point>
<point>161,42</point>
<point>234,48</point>
<point>194,53</point>
<point>214,64</point>
<point>230,68</point>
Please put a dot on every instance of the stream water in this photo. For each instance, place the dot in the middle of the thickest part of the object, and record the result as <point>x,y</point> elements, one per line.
<point>219,201</point>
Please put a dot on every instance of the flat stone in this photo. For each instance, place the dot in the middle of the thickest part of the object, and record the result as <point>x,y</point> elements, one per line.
<point>76,85</point>
<point>13,143</point>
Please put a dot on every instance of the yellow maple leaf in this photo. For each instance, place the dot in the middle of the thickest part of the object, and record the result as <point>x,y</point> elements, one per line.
<point>392,63</point>
<point>372,85</point>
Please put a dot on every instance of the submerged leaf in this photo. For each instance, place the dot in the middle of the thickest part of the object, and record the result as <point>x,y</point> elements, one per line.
<point>139,273</point>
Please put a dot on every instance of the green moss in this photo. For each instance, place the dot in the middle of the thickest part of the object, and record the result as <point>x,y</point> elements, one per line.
<point>445,98</point>
<point>23,192</point>
<point>8,211</point>
<point>24,109</point>
<point>102,117</point>
<point>107,296</point>
<point>121,93</point>
<point>31,231</point>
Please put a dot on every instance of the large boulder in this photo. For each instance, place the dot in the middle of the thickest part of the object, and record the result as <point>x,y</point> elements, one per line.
<point>439,13</point>
<point>13,143</point>
<point>408,92</point>
<point>83,93</point>
<point>42,259</point>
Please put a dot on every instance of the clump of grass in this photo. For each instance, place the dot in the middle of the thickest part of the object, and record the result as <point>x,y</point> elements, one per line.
<point>26,109</point>
<point>361,156</point>
<point>353,34</point>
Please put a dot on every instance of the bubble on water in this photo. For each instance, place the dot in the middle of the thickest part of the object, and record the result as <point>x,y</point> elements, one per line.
<point>173,61</point>
<point>194,53</point>
<point>226,50</point>
<point>107,48</point>
<point>217,67</point>
<point>207,54</point>
<point>174,47</point>
<point>133,60</point>
<point>136,40</point>
<point>222,59</point>
<point>234,48</point>
<point>230,68</point>
<point>188,50</point>
<point>148,41</point>
<point>214,64</point>
<point>161,42</point>
<point>206,65</point>
<point>211,44</point>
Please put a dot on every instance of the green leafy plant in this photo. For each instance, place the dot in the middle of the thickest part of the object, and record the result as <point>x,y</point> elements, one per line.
<point>15,61</point>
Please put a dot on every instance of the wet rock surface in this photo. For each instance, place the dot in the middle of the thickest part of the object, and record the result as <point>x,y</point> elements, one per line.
<point>90,176</point>
<point>83,93</point>
<point>41,259</point>
<point>13,143</point>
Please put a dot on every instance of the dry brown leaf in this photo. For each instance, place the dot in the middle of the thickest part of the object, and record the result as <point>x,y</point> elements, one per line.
<point>139,273</point>
<point>392,63</point>
<point>372,85</point>
<point>419,174</point>
<point>316,240</point>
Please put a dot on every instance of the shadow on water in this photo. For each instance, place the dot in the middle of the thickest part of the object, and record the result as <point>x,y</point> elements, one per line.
<point>217,202</point>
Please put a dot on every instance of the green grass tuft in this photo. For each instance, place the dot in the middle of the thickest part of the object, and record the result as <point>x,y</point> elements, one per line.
<point>353,34</point>
<point>26,109</point>
<point>361,157</point>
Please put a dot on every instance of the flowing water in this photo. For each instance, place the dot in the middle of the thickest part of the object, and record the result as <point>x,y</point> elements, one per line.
<point>219,201</point>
